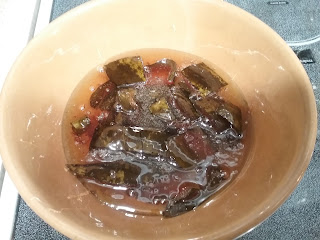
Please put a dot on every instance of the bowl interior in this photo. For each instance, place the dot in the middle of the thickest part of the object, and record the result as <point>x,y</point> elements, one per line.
<point>275,85</point>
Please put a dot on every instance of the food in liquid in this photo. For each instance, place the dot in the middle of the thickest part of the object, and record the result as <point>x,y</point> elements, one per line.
<point>157,132</point>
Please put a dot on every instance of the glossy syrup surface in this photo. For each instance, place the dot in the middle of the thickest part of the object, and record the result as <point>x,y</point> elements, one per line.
<point>140,169</point>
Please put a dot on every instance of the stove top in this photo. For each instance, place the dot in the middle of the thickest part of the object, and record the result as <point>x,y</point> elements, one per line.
<point>297,22</point>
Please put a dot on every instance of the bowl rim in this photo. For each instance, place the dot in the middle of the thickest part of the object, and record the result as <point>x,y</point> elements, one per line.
<point>71,15</point>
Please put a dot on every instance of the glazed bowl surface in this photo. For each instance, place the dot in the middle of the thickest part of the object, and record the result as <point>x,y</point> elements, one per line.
<point>274,83</point>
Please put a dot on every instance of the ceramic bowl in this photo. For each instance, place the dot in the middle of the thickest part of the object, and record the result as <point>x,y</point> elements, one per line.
<point>274,83</point>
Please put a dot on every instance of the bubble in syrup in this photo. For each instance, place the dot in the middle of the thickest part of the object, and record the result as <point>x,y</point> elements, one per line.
<point>175,178</point>
<point>240,146</point>
<point>132,193</point>
<point>117,196</point>
<point>199,170</point>
<point>188,137</point>
<point>113,174</point>
<point>82,107</point>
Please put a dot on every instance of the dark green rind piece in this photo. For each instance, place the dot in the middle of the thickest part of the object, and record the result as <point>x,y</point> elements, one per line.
<point>108,136</point>
<point>117,173</point>
<point>183,84</point>
<point>153,142</point>
<point>162,110</point>
<point>81,125</point>
<point>191,147</point>
<point>106,121</point>
<point>177,209</point>
<point>232,114</point>
<point>173,66</point>
<point>222,114</point>
<point>214,176</point>
<point>126,99</point>
<point>160,106</point>
<point>182,105</point>
<point>179,150</point>
<point>126,70</point>
<point>180,162</point>
<point>190,197</point>
<point>104,96</point>
<point>107,103</point>
<point>207,105</point>
<point>128,139</point>
<point>203,78</point>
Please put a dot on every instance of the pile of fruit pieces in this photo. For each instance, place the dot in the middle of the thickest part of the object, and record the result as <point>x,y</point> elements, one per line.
<point>158,133</point>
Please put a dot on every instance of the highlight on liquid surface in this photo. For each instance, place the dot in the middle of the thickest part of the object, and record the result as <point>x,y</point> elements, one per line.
<point>155,132</point>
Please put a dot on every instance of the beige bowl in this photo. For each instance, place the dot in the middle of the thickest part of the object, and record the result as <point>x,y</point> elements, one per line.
<point>272,79</point>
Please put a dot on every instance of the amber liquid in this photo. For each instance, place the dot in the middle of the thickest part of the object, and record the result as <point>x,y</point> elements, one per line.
<point>77,147</point>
